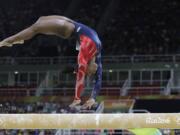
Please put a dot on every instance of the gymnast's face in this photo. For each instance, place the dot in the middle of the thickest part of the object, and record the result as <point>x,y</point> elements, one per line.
<point>92,68</point>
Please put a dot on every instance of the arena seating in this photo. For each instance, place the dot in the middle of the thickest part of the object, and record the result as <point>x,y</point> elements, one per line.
<point>11,91</point>
<point>147,88</point>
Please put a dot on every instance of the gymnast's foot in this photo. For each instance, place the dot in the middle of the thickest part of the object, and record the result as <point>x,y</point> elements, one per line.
<point>9,44</point>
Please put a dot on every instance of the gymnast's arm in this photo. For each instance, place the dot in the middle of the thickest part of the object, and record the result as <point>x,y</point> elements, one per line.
<point>98,79</point>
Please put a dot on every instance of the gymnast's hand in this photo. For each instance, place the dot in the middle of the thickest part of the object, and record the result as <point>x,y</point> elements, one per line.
<point>9,43</point>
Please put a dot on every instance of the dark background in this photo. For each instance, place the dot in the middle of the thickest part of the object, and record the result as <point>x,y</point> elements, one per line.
<point>126,27</point>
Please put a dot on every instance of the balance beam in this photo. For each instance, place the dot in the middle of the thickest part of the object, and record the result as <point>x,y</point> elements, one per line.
<point>89,121</point>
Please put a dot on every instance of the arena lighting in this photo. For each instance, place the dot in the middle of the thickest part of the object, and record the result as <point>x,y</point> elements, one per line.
<point>16,72</point>
<point>89,121</point>
<point>110,70</point>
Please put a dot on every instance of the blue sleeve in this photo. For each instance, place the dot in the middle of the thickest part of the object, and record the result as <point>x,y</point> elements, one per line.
<point>98,78</point>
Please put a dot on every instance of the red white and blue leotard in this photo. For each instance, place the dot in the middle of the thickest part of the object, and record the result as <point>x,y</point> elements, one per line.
<point>89,45</point>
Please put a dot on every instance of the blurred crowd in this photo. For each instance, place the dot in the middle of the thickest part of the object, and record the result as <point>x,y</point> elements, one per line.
<point>61,132</point>
<point>27,132</point>
<point>143,27</point>
<point>35,107</point>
